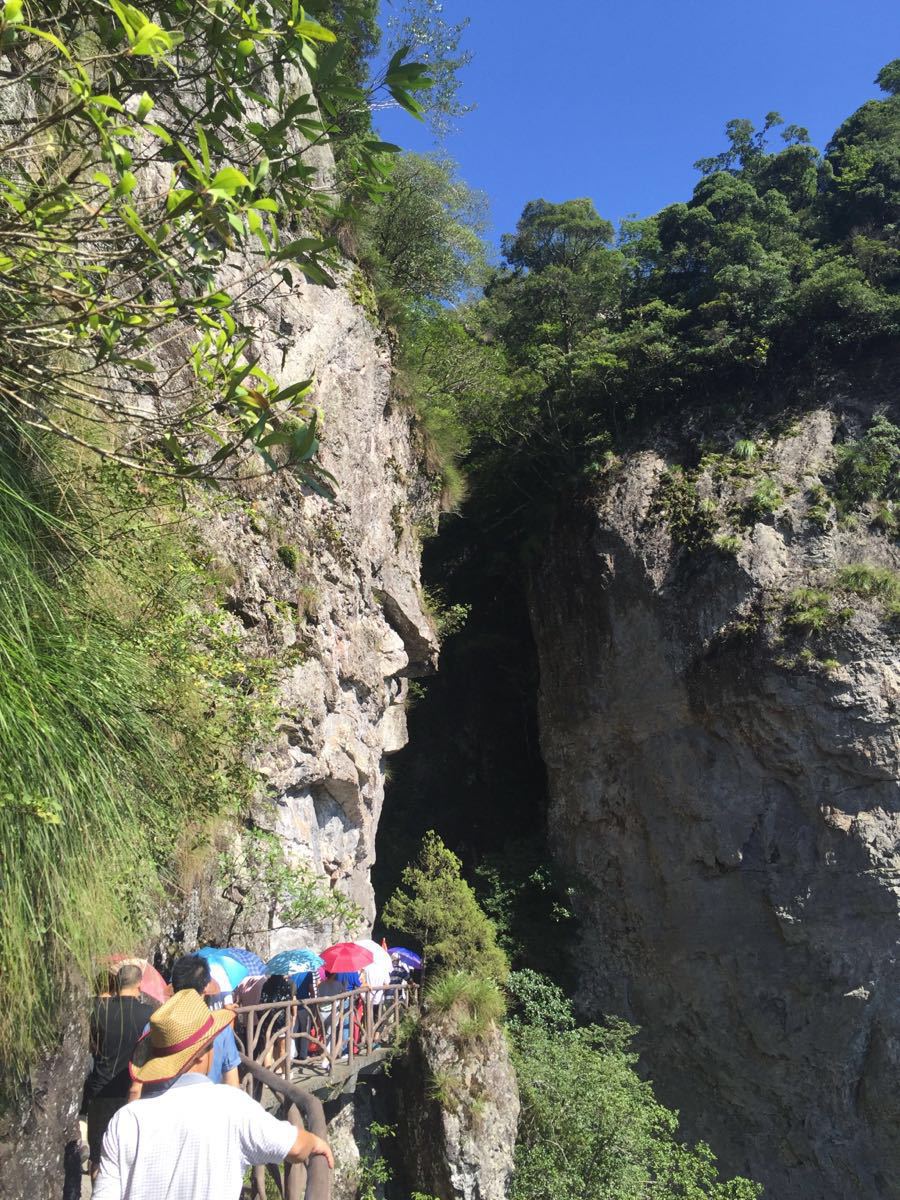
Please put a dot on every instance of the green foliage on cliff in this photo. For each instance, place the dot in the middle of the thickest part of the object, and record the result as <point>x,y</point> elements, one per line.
<point>590,1126</point>
<point>784,263</point>
<point>435,906</point>
<point>126,707</point>
<point>869,468</point>
<point>143,150</point>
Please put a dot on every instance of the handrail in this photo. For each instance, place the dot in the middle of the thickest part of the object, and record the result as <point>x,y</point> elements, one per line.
<point>306,1111</point>
<point>332,1029</point>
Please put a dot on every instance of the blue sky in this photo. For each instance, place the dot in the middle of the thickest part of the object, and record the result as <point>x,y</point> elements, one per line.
<point>616,100</point>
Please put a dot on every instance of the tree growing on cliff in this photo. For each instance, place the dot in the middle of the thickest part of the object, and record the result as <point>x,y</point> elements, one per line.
<point>590,1126</point>
<point>436,906</point>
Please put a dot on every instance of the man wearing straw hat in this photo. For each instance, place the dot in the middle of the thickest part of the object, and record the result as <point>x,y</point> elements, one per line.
<point>195,1140</point>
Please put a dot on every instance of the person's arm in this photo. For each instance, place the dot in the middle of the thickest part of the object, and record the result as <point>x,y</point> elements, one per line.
<point>134,1092</point>
<point>306,1145</point>
<point>265,1139</point>
<point>231,1058</point>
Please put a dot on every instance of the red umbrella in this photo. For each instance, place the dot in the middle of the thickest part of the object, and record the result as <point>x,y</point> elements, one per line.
<point>152,983</point>
<point>346,956</point>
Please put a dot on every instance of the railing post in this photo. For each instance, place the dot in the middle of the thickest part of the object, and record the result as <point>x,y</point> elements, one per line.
<point>288,1040</point>
<point>337,1020</point>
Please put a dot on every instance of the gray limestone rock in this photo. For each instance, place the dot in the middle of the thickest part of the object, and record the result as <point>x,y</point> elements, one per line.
<point>458,1106</point>
<point>728,808</point>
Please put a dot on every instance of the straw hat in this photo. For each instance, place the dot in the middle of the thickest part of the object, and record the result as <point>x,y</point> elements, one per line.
<point>180,1030</point>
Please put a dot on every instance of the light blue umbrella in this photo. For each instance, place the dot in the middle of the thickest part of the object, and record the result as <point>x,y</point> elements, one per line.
<point>293,962</point>
<point>234,971</point>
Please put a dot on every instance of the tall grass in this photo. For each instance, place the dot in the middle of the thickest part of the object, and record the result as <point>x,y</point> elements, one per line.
<point>86,772</point>
<point>476,1004</point>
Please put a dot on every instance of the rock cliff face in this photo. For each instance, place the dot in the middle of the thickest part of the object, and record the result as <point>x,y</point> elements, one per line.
<point>329,591</point>
<point>458,1111</point>
<point>725,793</point>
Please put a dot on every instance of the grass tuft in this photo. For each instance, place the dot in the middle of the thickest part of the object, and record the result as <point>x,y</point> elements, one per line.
<point>475,1004</point>
<point>809,609</point>
<point>876,583</point>
<point>745,450</point>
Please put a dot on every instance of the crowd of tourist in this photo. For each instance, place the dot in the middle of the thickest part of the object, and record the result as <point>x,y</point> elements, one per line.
<point>195,1131</point>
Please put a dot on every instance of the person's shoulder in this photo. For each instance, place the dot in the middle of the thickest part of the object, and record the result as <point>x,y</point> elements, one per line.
<point>236,1102</point>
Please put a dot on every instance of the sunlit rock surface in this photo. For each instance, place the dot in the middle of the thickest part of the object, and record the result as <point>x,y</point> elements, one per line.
<point>728,812</point>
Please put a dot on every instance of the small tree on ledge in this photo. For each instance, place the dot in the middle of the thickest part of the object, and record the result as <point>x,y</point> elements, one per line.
<point>436,906</point>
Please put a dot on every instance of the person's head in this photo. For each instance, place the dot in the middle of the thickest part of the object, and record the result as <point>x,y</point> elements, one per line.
<point>192,971</point>
<point>128,979</point>
<point>182,1031</point>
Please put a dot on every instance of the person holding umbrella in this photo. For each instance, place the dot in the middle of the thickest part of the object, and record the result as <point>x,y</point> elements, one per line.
<point>343,962</point>
<point>286,972</point>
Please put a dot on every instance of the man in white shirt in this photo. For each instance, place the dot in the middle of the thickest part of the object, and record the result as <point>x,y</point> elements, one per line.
<point>195,1140</point>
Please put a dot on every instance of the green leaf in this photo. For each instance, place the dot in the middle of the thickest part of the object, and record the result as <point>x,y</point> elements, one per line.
<point>228,181</point>
<point>127,183</point>
<point>295,390</point>
<point>300,246</point>
<point>314,31</point>
<point>163,134</point>
<point>204,146</point>
<point>144,106</point>
<point>406,102</point>
<point>47,37</point>
<point>217,300</point>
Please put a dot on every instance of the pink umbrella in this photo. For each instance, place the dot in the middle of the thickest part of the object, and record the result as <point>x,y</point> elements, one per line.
<point>346,956</point>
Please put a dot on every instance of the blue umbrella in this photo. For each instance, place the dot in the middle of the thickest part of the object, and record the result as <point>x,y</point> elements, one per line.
<point>291,962</point>
<point>407,956</point>
<point>251,961</point>
<point>233,970</point>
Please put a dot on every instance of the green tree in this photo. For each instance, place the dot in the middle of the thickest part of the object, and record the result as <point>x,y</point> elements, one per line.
<point>590,1126</point>
<point>426,235</point>
<point>436,906</point>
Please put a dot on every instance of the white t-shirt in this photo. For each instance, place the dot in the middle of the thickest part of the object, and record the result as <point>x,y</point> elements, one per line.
<point>194,1142</point>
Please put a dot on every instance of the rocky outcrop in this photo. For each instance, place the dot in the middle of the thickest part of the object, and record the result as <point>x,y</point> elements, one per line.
<point>329,590</point>
<point>39,1143</point>
<point>725,795</point>
<point>458,1111</point>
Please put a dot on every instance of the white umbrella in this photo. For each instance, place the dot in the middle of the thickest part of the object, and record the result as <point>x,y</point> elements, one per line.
<point>378,973</point>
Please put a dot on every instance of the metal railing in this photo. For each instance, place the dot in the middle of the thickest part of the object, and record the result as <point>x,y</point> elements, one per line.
<point>321,1036</point>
